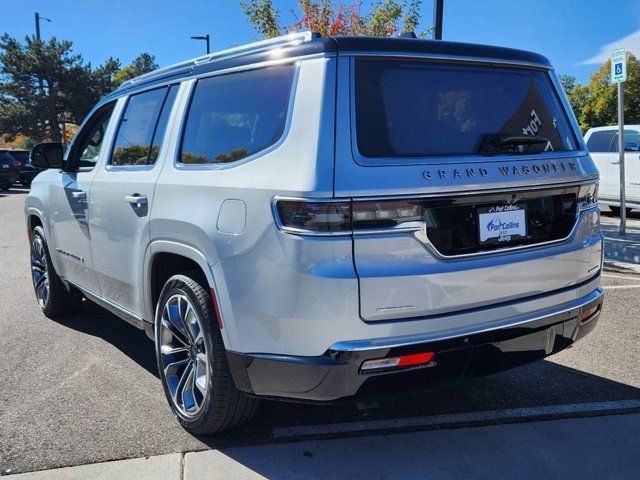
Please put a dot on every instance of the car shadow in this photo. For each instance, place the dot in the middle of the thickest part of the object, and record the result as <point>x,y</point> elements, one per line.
<point>91,319</point>
<point>542,383</point>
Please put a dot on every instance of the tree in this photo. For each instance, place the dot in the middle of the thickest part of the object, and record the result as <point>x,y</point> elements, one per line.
<point>143,63</point>
<point>596,104</point>
<point>41,84</point>
<point>330,17</point>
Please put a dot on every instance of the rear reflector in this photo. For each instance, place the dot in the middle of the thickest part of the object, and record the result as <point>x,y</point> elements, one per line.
<point>586,314</point>
<point>397,362</point>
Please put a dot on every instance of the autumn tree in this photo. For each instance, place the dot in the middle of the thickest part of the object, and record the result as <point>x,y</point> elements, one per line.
<point>331,17</point>
<point>596,104</point>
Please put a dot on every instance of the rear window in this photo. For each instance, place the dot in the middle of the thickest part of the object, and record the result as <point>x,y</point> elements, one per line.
<point>409,108</point>
<point>236,115</point>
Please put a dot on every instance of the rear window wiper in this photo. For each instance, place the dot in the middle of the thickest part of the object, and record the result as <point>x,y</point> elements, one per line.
<point>508,142</point>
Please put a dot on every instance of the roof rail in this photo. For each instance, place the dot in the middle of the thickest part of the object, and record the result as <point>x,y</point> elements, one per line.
<point>290,39</point>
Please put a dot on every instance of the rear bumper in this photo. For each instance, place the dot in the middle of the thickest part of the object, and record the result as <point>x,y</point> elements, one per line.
<point>336,375</point>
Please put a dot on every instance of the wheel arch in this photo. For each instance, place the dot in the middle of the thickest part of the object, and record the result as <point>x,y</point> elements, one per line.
<point>165,258</point>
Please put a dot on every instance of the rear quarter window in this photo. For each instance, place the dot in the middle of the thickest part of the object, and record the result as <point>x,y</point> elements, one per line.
<point>411,108</point>
<point>236,115</point>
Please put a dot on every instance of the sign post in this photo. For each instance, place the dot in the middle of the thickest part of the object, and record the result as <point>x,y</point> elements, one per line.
<point>619,75</point>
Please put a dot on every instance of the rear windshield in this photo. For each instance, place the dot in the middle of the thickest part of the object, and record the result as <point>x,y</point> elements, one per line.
<point>410,108</point>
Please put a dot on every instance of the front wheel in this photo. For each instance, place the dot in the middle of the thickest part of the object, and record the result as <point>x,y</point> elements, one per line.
<point>54,299</point>
<point>192,360</point>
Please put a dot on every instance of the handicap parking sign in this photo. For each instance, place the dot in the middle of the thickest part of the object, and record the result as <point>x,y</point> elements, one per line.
<point>618,65</point>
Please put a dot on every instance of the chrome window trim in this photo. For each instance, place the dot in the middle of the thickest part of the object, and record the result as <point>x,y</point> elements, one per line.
<point>362,160</point>
<point>178,165</point>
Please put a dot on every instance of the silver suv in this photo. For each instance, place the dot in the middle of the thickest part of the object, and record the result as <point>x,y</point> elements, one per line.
<point>322,219</point>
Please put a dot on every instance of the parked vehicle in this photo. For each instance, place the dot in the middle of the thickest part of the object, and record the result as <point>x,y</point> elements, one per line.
<point>324,219</point>
<point>602,143</point>
<point>26,172</point>
<point>8,170</point>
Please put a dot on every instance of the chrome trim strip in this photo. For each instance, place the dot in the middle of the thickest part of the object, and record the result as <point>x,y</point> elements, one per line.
<point>595,297</point>
<point>123,313</point>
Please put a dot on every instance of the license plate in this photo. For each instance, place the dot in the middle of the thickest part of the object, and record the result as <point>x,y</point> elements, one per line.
<point>502,223</point>
<point>5,165</point>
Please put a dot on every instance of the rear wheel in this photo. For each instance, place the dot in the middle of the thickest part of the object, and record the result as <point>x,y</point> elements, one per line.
<point>616,210</point>
<point>192,360</point>
<point>54,299</point>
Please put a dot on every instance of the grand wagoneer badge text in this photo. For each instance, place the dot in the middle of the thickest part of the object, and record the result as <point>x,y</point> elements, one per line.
<point>505,171</point>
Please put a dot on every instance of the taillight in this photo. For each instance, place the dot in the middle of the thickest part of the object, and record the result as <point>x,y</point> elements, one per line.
<point>343,217</point>
<point>313,217</point>
<point>403,361</point>
<point>588,195</point>
<point>17,163</point>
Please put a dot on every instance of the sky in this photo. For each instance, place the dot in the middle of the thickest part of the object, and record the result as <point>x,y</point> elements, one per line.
<point>576,35</point>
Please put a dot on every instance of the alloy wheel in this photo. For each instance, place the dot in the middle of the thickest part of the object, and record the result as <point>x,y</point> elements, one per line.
<point>39,272</point>
<point>183,354</point>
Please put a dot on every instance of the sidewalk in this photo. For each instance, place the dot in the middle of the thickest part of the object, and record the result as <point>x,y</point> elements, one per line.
<point>621,250</point>
<point>544,449</point>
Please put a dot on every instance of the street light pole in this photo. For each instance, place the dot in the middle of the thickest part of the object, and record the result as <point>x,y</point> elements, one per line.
<point>438,7</point>
<point>38,18</point>
<point>203,37</point>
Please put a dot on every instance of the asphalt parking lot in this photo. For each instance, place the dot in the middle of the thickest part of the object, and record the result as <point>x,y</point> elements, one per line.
<point>84,389</point>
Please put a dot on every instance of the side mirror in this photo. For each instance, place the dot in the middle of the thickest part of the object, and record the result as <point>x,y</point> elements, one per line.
<point>631,147</point>
<point>47,155</point>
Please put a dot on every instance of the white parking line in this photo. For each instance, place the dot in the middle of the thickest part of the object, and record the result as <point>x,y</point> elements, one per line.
<point>620,287</point>
<point>457,418</point>
<point>608,275</point>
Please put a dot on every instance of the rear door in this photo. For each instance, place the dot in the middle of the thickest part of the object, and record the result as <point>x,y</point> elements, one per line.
<point>123,193</point>
<point>631,164</point>
<point>600,144</point>
<point>441,189</point>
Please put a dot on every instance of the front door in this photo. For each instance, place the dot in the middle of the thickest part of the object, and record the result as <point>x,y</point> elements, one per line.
<point>122,196</point>
<point>69,199</point>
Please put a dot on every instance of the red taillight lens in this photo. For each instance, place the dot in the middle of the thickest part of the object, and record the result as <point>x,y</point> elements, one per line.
<point>588,313</point>
<point>344,217</point>
<point>401,361</point>
<point>17,163</point>
<point>313,217</point>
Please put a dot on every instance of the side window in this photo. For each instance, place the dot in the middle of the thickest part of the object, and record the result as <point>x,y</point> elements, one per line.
<point>236,115</point>
<point>135,137</point>
<point>86,147</point>
<point>630,136</point>
<point>600,141</point>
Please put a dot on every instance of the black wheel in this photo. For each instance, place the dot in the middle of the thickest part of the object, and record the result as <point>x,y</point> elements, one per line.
<point>54,299</point>
<point>616,211</point>
<point>192,360</point>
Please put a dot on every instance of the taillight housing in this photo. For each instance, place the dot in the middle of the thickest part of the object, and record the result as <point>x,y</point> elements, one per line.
<point>313,217</point>
<point>588,195</point>
<point>343,217</point>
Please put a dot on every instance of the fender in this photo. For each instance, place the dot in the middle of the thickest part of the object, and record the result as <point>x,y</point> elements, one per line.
<point>187,251</point>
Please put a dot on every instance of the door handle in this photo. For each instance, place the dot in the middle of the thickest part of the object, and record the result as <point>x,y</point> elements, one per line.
<point>617,162</point>
<point>79,195</point>
<point>136,199</point>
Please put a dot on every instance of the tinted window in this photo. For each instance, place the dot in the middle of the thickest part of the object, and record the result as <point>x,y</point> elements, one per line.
<point>630,136</point>
<point>236,115</point>
<point>408,108</point>
<point>600,141</point>
<point>136,129</point>
<point>86,151</point>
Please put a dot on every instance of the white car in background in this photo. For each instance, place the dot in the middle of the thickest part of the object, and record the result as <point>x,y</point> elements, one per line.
<point>602,143</point>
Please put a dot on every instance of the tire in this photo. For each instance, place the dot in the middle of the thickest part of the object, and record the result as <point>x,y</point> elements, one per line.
<point>616,211</point>
<point>202,395</point>
<point>54,299</point>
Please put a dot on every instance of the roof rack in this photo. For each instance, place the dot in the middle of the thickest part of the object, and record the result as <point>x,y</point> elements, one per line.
<point>290,39</point>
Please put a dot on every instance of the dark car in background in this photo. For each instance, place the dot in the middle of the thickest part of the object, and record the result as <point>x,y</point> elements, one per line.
<point>26,173</point>
<point>8,169</point>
